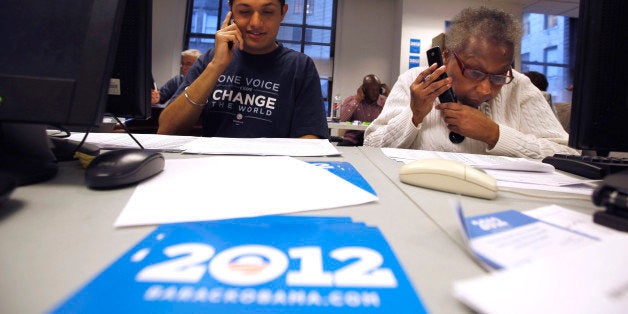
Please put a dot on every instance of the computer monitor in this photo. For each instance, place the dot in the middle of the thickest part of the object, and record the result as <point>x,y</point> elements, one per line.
<point>599,111</point>
<point>57,61</point>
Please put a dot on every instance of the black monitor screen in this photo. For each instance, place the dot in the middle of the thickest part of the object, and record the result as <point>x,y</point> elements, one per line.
<point>599,114</point>
<point>131,80</point>
<point>57,59</point>
<point>55,56</point>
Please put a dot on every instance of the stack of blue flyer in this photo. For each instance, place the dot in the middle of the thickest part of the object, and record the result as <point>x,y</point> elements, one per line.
<point>271,264</point>
<point>510,238</point>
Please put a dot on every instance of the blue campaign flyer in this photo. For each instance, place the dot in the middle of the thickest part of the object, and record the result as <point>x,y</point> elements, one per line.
<point>346,171</point>
<point>510,238</point>
<point>272,264</point>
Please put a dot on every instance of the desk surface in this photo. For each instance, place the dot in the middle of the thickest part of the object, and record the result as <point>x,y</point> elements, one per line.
<point>346,126</point>
<point>59,234</point>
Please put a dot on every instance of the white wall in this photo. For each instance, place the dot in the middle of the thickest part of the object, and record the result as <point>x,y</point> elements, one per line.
<point>367,40</point>
<point>425,19</point>
<point>372,36</point>
<point>168,23</point>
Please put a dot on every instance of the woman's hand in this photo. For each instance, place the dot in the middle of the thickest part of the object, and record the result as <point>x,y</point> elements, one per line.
<point>424,91</point>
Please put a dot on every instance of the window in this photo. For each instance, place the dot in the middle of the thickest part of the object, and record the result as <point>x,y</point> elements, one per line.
<point>526,24</point>
<point>525,65</point>
<point>308,27</point>
<point>548,51</point>
<point>551,21</point>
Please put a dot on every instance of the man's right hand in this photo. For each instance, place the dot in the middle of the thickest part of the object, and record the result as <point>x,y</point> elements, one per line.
<point>424,91</point>
<point>228,33</point>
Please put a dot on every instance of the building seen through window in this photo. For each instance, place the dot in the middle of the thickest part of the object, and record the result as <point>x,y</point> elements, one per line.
<point>308,27</point>
<point>548,46</point>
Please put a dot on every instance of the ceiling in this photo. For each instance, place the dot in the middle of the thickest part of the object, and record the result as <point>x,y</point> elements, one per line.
<point>554,7</point>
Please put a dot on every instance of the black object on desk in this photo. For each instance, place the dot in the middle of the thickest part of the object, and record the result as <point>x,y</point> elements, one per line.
<point>123,167</point>
<point>64,148</point>
<point>7,185</point>
<point>613,194</point>
<point>592,167</point>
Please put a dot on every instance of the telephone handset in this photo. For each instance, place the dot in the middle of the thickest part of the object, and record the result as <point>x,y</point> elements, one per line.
<point>231,21</point>
<point>435,55</point>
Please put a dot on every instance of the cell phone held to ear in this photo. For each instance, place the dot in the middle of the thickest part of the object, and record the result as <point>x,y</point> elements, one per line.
<point>231,21</point>
<point>435,55</point>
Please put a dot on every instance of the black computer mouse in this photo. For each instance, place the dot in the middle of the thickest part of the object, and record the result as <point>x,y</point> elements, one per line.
<point>123,167</point>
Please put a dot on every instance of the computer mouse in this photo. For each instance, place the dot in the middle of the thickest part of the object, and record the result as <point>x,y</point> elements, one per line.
<point>449,176</point>
<point>123,167</point>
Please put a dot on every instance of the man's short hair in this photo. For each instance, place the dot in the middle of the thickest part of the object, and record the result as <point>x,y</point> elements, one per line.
<point>191,53</point>
<point>282,2</point>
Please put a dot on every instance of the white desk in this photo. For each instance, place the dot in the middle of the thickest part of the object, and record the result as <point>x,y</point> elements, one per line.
<point>58,234</point>
<point>435,204</point>
<point>339,128</point>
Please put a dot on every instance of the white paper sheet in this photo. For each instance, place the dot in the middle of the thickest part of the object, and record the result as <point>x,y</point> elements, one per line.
<point>221,187</point>
<point>592,279</point>
<point>573,220</point>
<point>261,146</point>
<point>170,143</point>
<point>214,145</point>
<point>511,238</point>
<point>508,171</point>
<point>476,160</point>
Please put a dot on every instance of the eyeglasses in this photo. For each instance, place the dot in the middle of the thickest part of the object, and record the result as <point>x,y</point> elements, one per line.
<point>477,75</point>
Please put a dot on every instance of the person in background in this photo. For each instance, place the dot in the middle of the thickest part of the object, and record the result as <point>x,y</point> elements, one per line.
<point>499,111</point>
<point>249,85</point>
<point>365,106</point>
<point>166,91</point>
<point>539,80</point>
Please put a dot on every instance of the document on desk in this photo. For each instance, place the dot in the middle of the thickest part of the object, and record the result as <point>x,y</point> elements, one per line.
<point>508,171</point>
<point>170,143</point>
<point>270,264</point>
<point>295,147</point>
<point>476,160</point>
<point>591,279</point>
<point>510,238</point>
<point>222,187</point>
<point>553,260</point>
<point>214,145</point>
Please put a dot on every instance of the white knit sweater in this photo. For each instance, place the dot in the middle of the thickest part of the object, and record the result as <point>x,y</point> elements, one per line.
<point>527,126</point>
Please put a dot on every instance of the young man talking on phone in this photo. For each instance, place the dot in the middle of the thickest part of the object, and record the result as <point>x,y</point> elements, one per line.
<point>249,85</point>
<point>499,111</point>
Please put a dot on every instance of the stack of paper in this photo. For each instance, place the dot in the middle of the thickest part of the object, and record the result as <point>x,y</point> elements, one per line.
<point>592,279</point>
<point>558,262</point>
<point>510,172</point>
<point>511,238</point>
<point>273,264</point>
<point>213,145</point>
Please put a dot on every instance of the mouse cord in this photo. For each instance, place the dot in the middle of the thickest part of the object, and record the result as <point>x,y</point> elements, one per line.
<point>128,132</point>
<point>578,198</point>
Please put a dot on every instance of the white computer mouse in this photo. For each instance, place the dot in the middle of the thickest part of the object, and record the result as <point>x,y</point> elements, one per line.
<point>449,176</point>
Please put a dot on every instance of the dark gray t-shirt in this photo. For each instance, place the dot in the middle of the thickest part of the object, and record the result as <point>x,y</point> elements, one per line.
<point>273,95</point>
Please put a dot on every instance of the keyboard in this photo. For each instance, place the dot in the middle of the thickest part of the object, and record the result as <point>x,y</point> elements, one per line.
<point>592,167</point>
